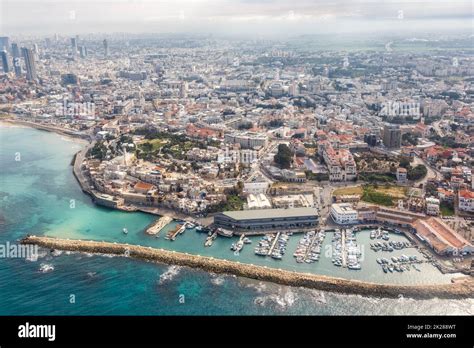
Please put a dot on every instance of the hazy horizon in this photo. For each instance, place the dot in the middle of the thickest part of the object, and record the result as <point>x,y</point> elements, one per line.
<point>258,18</point>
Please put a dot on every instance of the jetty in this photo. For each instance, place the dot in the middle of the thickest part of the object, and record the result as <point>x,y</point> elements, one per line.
<point>275,241</point>
<point>171,235</point>
<point>461,287</point>
<point>156,227</point>
<point>343,248</point>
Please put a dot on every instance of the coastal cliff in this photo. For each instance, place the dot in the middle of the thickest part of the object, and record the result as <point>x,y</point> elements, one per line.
<point>460,288</point>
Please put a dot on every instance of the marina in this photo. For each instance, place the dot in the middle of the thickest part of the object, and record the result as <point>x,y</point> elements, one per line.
<point>237,247</point>
<point>402,263</point>
<point>390,246</point>
<point>351,251</point>
<point>273,245</point>
<point>345,246</point>
<point>337,249</point>
<point>309,247</point>
<point>460,288</point>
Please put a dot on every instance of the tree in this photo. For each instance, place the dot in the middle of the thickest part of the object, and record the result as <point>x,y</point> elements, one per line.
<point>404,162</point>
<point>417,173</point>
<point>410,138</point>
<point>283,157</point>
<point>99,151</point>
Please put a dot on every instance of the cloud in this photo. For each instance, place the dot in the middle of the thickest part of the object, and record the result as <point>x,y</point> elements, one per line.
<point>49,16</point>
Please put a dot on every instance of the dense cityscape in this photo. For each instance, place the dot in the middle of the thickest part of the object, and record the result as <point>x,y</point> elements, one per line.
<point>336,164</point>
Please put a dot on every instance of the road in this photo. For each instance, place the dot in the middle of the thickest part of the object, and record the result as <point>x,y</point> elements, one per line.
<point>431,172</point>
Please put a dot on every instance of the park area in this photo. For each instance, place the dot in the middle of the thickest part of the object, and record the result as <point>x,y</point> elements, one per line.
<point>386,195</point>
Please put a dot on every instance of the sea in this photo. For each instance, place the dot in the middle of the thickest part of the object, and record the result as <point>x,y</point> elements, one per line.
<point>39,195</point>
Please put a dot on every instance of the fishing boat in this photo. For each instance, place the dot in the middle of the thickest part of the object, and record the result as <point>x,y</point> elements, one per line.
<point>237,246</point>
<point>372,234</point>
<point>247,240</point>
<point>390,268</point>
<point>124,230</point>
<point>354,266</point>
<point>225,233</point>
<point>210,239</point>
<point>199,228</point>
<point>384,267</point>
<point>190,225</point>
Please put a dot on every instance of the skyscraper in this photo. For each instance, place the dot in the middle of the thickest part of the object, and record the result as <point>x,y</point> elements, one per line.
<point>29,63</point>
<point>15,50</point>
<point>183,90</point>
<point>106,48</point>
<point>392,136</point>
<point>74,45</point>
<point>17,66</point>
<point>83,51</point>
<point>4,43</point>
<point>5,64</point>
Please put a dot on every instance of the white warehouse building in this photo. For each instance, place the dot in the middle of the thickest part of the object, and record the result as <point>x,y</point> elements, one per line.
<point>343,213</point>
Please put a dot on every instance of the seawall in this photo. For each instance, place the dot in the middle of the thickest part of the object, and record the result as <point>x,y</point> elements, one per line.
<point>460,288</point>
<point>49,128</point>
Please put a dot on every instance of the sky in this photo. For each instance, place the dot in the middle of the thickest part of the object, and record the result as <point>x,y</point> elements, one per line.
<point>247,17</point>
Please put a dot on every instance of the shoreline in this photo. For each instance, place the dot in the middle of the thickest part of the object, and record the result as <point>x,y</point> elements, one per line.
<point>76,162</point>
<point>71,134</point>
<point>462,287</point>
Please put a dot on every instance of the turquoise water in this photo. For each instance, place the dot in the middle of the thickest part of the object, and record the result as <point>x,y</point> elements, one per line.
<point>39,195</point>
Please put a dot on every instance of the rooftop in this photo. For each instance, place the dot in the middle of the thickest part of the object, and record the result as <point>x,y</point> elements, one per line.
<point>270,213</point>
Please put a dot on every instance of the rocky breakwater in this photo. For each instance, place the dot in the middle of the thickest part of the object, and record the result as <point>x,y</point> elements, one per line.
<point>461,288</point>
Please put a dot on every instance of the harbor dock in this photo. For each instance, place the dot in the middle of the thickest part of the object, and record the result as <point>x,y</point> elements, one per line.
<point>461,287</point>
<point>171,235</point>
<point>343,248</point>
<point>156,227</point>
<point>272,247</point>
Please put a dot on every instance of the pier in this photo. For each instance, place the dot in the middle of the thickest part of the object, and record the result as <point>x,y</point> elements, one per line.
<point>462,287</point>
<point>275,241</point>
<point>171,235</point>
<point>343,248</point>
<point>156,227</point>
